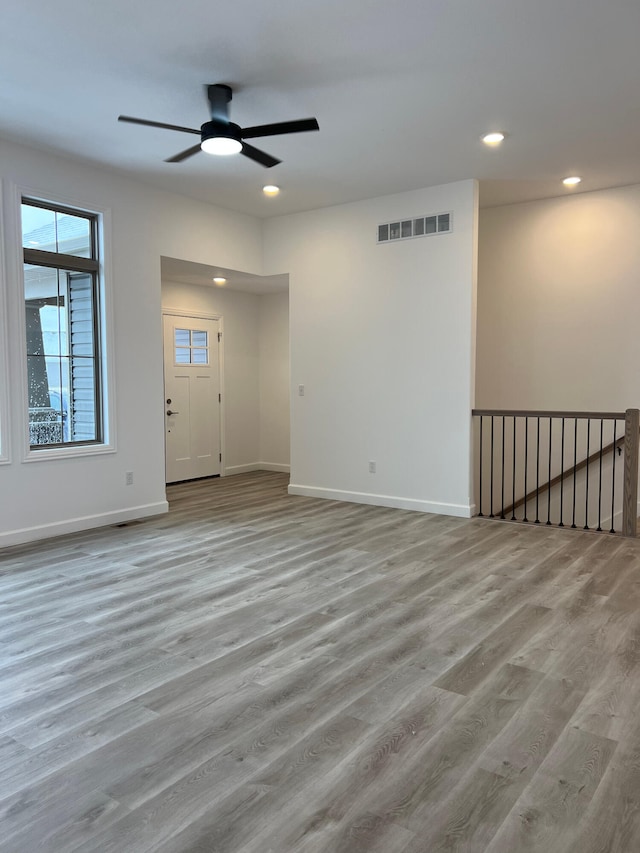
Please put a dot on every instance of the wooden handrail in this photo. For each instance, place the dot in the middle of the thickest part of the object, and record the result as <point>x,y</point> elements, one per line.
<point>526,413</point>
<point>568,473</point>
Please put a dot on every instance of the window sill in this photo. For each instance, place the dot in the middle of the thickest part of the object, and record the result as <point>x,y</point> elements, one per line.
<point>75,452</point>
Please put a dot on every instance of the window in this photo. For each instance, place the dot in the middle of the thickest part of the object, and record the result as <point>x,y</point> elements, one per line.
<point>62,314</point>
<point>191,346</point>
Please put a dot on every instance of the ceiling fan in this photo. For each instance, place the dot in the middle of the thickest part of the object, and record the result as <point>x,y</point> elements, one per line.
<point>221,136</point>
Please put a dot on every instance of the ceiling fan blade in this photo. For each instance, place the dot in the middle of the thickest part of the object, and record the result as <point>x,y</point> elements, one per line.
<point>143,121</point>
<point>189,152</point>
<point>297,126</point>
<point>261,157</point>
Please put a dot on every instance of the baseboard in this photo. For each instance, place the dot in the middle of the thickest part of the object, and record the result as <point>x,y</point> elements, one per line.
<point>241,469</point>
<point>274,466</point>
<point>85,522</point>
<point>458,510</point>
<point>617,519</point>
<point>256,466</point>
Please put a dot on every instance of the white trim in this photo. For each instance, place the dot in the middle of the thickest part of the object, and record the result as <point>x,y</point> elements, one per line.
<point>458,510</point>
<point>203,315</point>
<point>73,451</point>
<point>5,428</point>
<point>257,466</point>
<point>107,332</point>
<point>605,523</point>
<point>13,199</point>
<point>274,466</point>
<point>87,522</point>
<point>241,469</point>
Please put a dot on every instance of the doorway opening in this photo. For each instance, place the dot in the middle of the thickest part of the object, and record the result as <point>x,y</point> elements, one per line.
<point>246,422</point>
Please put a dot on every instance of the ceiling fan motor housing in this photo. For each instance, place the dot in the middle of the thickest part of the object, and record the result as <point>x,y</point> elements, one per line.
<point>215,129</point>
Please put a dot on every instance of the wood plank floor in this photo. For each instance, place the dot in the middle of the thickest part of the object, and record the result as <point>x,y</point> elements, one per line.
<point>261,673</point>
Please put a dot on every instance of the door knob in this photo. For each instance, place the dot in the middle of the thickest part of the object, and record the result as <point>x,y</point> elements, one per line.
<point>169,412</point>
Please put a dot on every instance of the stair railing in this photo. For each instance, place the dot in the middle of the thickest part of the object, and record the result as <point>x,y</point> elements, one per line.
<point>559,468</point>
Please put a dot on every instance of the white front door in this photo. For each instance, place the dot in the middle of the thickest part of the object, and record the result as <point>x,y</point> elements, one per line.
<point>192,397</point>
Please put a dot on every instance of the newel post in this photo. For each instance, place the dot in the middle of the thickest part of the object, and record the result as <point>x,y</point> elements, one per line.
<point>630,493</point>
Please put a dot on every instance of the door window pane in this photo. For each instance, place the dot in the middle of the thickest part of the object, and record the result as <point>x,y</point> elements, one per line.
<point>191,346</point>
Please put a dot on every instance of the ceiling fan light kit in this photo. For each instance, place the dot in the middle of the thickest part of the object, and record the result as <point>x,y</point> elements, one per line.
<point>222,137</point>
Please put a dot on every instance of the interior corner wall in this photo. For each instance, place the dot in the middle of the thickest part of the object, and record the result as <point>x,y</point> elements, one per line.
<point>44,498</point>
<point>559,302</point>
<point>274,381</point>
<point>381,340</point>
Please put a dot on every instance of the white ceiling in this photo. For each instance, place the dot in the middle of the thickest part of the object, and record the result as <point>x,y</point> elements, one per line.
<point>187,272</point>
<point>402,90</point>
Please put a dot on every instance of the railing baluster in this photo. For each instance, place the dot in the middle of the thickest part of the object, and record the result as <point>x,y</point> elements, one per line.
<point>599,527</point>
<point>630,491</point>
<point>584,458</point>
<point>549,489</point>
<point>561,524</point>
<point>586,480</point>
<point>513,480</point>
<point>526,464</point>
<point>575,468</point>
<point>502,475</point>
<point>491,482</point>
<point>613,474</point>
<point>481,458</point>
<point>537,521</point>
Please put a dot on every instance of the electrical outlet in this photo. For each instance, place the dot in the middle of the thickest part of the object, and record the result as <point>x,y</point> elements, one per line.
<point>300,390</point>
<point>372,467</point>
<point>129,478</point>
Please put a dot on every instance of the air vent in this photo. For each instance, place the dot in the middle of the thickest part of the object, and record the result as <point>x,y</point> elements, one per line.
<point>423,226</point>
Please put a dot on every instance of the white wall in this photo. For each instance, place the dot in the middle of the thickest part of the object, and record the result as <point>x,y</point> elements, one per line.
<point>380,335</point>
<point>559,303</point>
<point>274,381</point>
<point>381,338</point>
<point>256,371</point>
<point>54,496</point>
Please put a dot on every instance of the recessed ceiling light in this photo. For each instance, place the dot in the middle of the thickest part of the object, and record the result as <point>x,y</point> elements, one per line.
<point>221,145</point>
<point>271,189</point>
<point>219,280</point>
<point>494,138</point>
<point>572,181</point>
